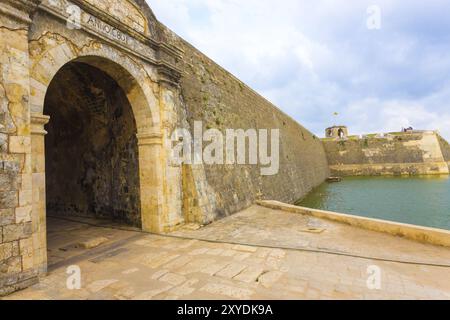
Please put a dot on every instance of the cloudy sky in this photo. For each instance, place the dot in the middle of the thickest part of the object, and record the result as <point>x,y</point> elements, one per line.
<point>315,58</point>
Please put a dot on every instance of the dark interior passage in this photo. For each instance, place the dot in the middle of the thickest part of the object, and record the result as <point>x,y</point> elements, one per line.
<point>92,164</point>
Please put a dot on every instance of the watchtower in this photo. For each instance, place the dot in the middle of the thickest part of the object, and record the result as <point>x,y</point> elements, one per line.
<point>336,132</point>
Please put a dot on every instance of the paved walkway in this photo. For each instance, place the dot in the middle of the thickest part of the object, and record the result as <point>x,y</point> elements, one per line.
<point>256,254</point>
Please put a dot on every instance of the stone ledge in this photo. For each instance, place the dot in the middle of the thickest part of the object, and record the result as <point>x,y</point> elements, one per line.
<point>433,236</point>
<point>22,283</point>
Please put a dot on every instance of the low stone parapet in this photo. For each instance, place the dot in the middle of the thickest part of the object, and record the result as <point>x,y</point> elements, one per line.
<point>433,236</point>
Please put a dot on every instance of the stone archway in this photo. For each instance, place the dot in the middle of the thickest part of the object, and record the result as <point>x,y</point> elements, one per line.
<point>124,40</point>
<point>92,160</point>
<point>145,109</point>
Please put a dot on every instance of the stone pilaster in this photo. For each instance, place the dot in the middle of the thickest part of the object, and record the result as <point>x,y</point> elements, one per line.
<point>39,198</point>
<point>170,106</point>
<point>151,181</point>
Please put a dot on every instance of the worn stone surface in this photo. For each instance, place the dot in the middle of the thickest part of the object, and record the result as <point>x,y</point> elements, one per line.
<point>23,214</point>
<point>12,265</point>
<point>269,273</point>
<point>6,251</point>
<point>17,231</point>
<point>92,243</point>
<point>8,198</point>
<point>9,184</point>
<point>3,143</point>
<point>250,274</point>
<point>6,216</point>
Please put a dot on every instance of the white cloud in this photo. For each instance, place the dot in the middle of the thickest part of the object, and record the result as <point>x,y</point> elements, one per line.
<point>373,115</point>
<point>313,58</point>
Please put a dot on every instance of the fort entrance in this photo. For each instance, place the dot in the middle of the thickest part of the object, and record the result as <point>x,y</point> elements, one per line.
<point>91,152</point>
<point>90,116</point>
<point>97,146</point>
<point>91,92</point>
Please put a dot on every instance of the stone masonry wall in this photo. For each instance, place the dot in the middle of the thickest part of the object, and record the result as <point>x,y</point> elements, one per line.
<point>16,228</point>
<point>445,147</point>
<point>221,101</point>
<point>393,154</point>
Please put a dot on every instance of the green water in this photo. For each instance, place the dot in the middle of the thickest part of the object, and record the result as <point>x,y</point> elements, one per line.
<point>423,201</point>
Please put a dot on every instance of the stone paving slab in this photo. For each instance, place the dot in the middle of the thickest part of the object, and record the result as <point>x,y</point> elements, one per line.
<point>260,226</point>
<point>159,267</point>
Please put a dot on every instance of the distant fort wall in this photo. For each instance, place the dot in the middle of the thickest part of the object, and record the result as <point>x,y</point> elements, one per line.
<point>402,153</point>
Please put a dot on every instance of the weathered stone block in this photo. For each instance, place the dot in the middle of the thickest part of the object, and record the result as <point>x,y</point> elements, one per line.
<point>8,199</point>
<point>92,243</point>
<point>7,217</point>
<point>14,91</point>
<point>19,144</point>
<point>16,232</point>
<point>16,278</point>
<point>25,198</point>
<point>10,166</point>
<point>6,251</point>
<point>23,214</point>
<point>9,181</point>
<point>15,248</point>
<point>16,283</point>
<point>26,246</point>
<point>26,251</point>
<point>10,266</point>
<point>9,184</point>
<point>27,182</point>
<point>6,122</point>
<point>3,142</point>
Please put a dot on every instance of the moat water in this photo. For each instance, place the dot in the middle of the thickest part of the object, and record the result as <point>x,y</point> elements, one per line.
<point>423,201</point>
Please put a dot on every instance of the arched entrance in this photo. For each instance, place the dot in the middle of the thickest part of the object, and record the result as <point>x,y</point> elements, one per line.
<point>123,60</point>
<point>91,149</point>
<point>91,152</point>
<point>99,155</point>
